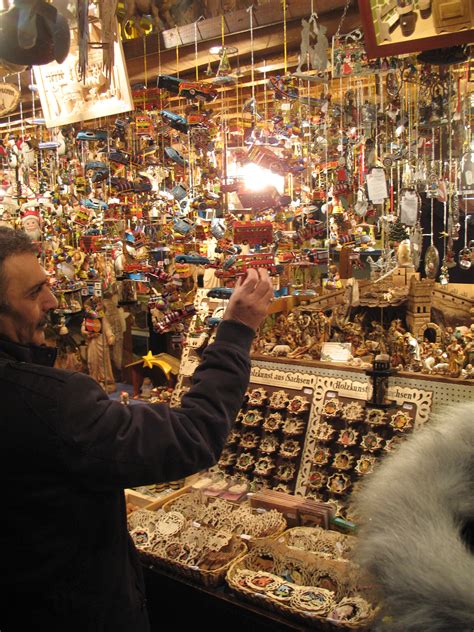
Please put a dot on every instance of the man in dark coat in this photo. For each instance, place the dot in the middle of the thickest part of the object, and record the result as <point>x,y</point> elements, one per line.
<point>67,452</point>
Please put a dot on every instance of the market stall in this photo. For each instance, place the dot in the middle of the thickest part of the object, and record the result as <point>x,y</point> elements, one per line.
<point>159,155</point>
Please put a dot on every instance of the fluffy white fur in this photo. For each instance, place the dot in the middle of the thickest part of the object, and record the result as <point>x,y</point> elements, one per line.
<point>411,511</point>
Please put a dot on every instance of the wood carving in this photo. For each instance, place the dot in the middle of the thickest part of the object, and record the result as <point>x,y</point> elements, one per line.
<point>159,11</point>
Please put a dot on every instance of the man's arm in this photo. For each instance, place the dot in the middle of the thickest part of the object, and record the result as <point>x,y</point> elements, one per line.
<point>106,443</point>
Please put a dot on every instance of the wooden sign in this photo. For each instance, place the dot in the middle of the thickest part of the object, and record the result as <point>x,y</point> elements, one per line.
<point>9,98</point>
<point>66,99</point>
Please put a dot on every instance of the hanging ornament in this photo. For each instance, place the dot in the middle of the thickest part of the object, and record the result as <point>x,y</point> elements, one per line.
<point>454,225</point>
<point>444,274</point>
<point>449,258</point>
<point>431,261</point>
<point>224,64</point>
<point>362,203</point>
<point>465,255</point>
<point>397,232</point>
<point>416,240</point>
<point>313,47</point>
<point>465,258</point>
<point>307,34</point>
<point>393,83</point>
<point>467,175</point>
<point>410,205</point>
<point>209,72</point>
<point>433,190</point>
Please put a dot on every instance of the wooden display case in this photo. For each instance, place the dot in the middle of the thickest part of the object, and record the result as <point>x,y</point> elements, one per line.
<point>444,24</point>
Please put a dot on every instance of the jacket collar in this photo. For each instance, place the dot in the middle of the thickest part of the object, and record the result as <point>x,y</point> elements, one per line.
<point>33,354</point>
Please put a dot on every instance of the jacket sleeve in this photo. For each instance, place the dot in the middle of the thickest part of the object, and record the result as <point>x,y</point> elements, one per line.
<point>106,444</point>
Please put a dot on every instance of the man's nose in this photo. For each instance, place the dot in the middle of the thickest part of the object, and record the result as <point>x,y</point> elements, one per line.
<point>51,301</point>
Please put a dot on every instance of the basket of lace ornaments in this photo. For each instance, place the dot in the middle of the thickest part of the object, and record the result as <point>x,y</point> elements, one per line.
<point>324,593</point>
<point>323,542</point>
<point>169,541</point>
<point>252,525</point>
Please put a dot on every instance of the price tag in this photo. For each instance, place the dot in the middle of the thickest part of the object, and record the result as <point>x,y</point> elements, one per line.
<point>377,185</point>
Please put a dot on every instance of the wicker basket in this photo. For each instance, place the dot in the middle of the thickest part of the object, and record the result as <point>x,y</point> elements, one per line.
<point>302,571</point>
<point>176,550</point>
<point>200,501</point>
<point>210,579</point>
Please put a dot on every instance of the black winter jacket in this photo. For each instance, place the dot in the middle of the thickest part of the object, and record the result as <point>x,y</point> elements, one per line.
<point>66,454</point>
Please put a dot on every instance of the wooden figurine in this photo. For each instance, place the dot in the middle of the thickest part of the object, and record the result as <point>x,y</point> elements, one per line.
<point>116,318</point>
<point>455,358</point>
<point>99,338</point>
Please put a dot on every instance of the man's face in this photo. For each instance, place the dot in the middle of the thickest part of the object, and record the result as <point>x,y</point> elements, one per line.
<point>28,300</point>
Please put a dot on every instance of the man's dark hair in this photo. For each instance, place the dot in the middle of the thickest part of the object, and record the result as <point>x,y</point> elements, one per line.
<point>12,242</point>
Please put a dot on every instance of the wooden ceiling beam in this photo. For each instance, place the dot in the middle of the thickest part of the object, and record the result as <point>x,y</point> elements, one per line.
<point>235,22</point>
<point>267,44</point>
<point>266,41</point>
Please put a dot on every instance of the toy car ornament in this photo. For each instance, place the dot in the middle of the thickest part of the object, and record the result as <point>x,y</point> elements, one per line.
<point>94,203</point>
<point>175,121</point>
<point>175,156</point>
<point>92,134</point>
<point>187,89</point>
<point>192,259</point>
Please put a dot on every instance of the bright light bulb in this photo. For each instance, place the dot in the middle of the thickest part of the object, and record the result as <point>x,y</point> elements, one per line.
<point>257,178</point>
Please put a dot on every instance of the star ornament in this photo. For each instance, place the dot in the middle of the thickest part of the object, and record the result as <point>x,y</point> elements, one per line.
<point>150,360</point>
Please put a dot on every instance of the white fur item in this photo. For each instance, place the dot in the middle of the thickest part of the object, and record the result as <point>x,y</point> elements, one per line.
<point>411,511</point>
